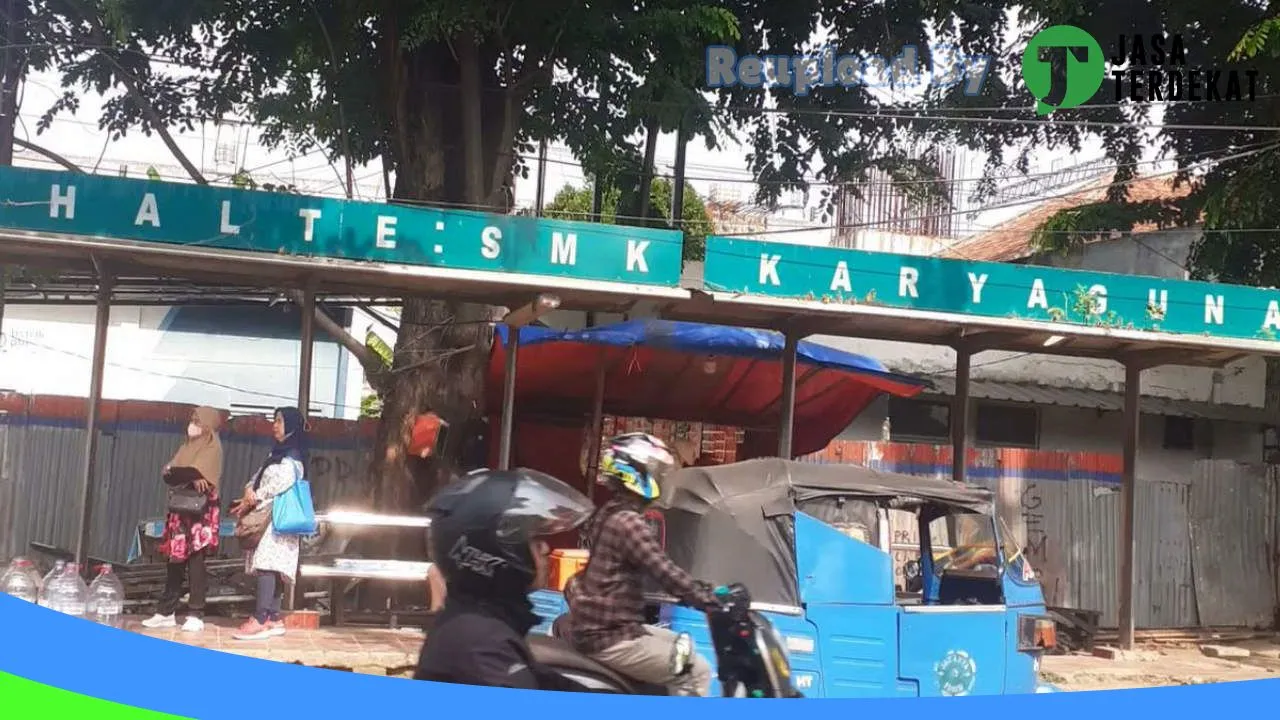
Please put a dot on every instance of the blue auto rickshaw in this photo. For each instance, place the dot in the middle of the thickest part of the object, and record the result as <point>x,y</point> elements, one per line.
<point>816,546</point>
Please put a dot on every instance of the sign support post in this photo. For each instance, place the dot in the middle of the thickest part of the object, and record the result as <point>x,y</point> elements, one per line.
<point>101,324</point>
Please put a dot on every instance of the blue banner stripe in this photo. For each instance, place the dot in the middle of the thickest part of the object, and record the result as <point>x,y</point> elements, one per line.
<point>100,662</point>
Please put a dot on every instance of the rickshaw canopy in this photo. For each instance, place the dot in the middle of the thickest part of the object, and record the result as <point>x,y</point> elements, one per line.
<point>738,520</point>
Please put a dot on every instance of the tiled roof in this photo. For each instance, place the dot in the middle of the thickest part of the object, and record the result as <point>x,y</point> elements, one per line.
<point>1011,241</point>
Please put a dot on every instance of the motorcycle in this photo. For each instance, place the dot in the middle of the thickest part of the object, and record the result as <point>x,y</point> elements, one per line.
<point>751,658</point>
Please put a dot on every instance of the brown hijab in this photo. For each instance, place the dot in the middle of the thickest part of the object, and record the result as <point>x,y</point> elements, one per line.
<point>205,452</point>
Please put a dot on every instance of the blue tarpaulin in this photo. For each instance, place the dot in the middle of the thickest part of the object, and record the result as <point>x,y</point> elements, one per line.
<point>697,338</point>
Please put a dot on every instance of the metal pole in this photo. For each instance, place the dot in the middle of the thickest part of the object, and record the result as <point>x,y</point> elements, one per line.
<point>308,335</point>
<point>307,338</point>
<point>508,397</point>
<point>1128,501</point>
<point>787,421</point>
<point>4,291</point>
<point>597,429</point>
<point>101,323</point>
<point>960,417</point>
<point>542,177</point>
<point>677,185</point>
<point>597,197</point>
<point>603,175</point>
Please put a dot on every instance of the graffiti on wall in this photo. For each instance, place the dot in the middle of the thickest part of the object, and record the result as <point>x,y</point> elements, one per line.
<point>337,475</point>
<point>1036,542</point>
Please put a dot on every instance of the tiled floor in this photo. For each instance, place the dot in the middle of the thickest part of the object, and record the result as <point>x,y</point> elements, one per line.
<point>366,650</point>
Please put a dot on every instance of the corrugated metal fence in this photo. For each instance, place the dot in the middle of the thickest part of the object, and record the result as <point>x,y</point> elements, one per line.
<point>1206,542</point>
<point>42,456</point>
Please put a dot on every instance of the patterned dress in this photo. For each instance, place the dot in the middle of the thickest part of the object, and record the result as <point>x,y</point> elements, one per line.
<point>184,536</point>
<point>275,552</point>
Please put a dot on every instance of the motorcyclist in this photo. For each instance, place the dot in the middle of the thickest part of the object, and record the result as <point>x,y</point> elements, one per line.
<point>486,527</point>
<point>607,615</point>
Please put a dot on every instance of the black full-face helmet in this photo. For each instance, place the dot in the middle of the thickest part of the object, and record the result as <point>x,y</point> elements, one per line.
<point>482,525</point>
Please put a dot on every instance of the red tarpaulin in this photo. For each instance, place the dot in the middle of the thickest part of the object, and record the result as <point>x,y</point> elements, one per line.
<point>676,371</point>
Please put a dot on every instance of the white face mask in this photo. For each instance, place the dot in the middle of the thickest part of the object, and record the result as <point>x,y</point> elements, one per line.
<point>194,431</point>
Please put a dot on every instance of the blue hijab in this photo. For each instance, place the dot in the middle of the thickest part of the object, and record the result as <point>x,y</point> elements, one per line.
<point>294,444</point>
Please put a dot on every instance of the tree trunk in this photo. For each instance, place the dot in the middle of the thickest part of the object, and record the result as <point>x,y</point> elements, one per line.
<point>452,146</point>
<point>646,173</point>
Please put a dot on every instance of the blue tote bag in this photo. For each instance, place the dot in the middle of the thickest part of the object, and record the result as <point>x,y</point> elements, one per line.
<point>292,512</point>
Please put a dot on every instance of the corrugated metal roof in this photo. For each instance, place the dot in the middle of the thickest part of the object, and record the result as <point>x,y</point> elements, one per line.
<point>1033,394</point>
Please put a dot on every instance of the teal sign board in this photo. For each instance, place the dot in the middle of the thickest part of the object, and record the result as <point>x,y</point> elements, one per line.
<point>997,290</point>
<point>233,219</point>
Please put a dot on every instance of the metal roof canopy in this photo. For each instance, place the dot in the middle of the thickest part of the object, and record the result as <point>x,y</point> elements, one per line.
<point>1099,400</point>
<point>974,333</point>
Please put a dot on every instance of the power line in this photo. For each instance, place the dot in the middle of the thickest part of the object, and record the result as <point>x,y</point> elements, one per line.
<point>1082,108</point>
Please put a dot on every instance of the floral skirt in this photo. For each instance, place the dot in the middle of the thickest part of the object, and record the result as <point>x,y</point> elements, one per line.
<point>185,536</point>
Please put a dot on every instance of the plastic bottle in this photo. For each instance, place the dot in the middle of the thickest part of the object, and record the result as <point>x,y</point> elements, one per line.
<point>55,573</point>
<point>106,598</point>
<point>68,593</point>
<point>21,580</point>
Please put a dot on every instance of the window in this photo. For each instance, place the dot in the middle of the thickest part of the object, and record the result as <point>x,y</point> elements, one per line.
<point>1007,426</point>
<point>919,420</point>
<point>962,541</point>
<point>1179,433</point>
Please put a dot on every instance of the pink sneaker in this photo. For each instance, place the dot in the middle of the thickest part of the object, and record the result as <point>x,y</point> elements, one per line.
<point>252,630</point>
<point>275,628</point>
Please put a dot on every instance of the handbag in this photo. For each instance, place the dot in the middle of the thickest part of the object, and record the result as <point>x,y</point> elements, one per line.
<point>251,526</point>
<point>187,501</point>
<point>292,511</point>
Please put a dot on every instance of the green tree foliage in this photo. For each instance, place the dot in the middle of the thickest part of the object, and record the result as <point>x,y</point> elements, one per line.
<point>454,96</point>
<point>574,203</point>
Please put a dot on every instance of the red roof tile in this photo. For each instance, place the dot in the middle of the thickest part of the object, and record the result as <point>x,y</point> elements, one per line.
<point>1011,241</point>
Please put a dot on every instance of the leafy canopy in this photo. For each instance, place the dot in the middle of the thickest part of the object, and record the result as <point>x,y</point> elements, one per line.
<point>352,77</point>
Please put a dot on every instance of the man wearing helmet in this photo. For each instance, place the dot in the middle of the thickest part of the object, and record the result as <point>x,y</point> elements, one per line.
<point>486,530</point>
<point>607,615</point>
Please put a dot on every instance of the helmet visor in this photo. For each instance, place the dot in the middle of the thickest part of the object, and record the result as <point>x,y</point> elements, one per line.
<point>542,505</point>
<point>519,502</point>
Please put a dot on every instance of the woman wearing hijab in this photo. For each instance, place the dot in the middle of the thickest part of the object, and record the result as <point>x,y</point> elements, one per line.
<point>187,539</point>
<point>275,559</point>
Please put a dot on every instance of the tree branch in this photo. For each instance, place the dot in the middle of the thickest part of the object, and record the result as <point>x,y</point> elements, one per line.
<point>374,369</point>
<point>49,154</point>
<point>342,117</point>
<point>131,84</point>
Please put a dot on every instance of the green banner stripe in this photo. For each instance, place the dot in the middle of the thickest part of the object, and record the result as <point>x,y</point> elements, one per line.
<point>21,698</point>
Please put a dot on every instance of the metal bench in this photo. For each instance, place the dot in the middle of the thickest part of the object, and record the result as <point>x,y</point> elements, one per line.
<point>338,569</point>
